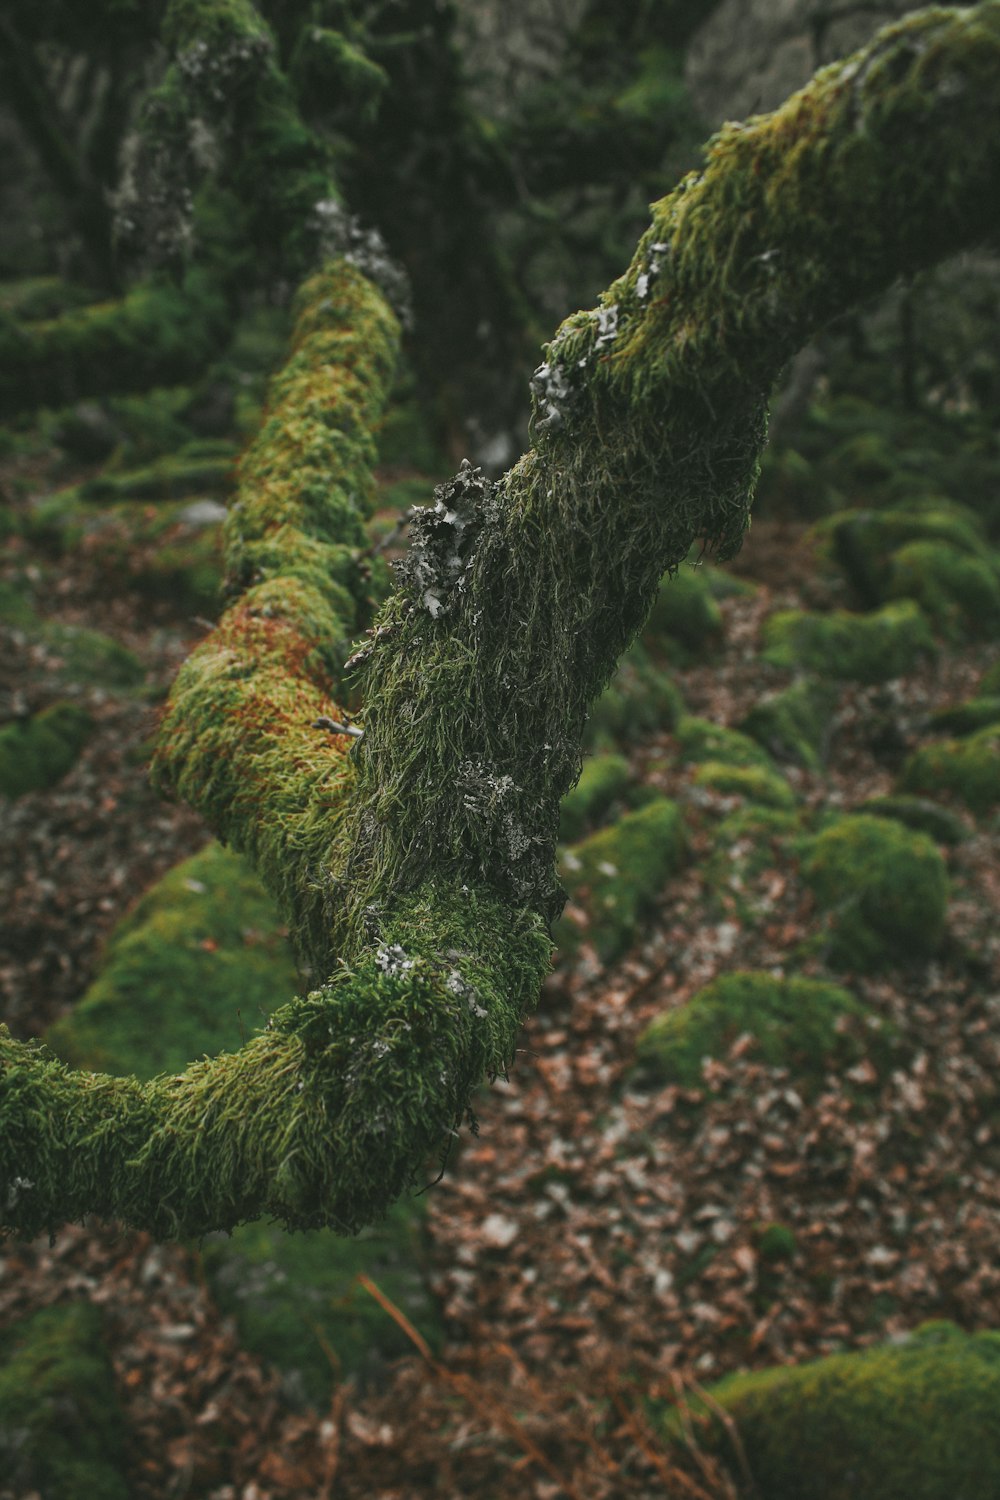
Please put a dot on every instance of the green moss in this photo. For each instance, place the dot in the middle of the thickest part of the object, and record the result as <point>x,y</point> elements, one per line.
<point>859,648</point>
<point>959,594</point>
<point>968,768</point>
<point>700,740</point>
<point>967,718</point>
<point>795,724</point>
<point>641,699</point>
<point>296,1300</point>
<point>990,681</point>
<point>685,619</point>
<point>36,753</point>
<point>89,656</point>
<point>805,1025</point>
<point>865,544</point>
<point>61,1430</point>
<point>884,888</point>
<point>752,782</point>
<point>603,780</point>
<point>615,875</point>
<point>170,478</point>
<point>920,814</point>
<point>196,967</point>
<point>910,1421</point>
<point>775,1242</point>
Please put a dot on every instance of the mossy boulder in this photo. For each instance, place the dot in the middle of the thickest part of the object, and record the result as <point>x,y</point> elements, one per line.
<point>958,593</point>
<point>685,620</point>
<point>754,783</point>
<point>603,781</point>
<point>884,888</point>
<point>864,544</point>
<point>93,658</point>
<point>805,1025</point>
<point>640,699</point>
<point>795,724</point>
<point>968,768</point>
<point>37,752</point>
<point>62,1434</point>
<point>857,648</point>
<point>968,717</point>
<point>915,1420</point>
<point>699,740</point>
<point>920,813</point>
<point>614,876</point>
<point>198,965</point>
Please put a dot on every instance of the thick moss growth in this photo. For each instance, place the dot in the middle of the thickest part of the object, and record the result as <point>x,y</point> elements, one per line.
<point>291,1294</point>
<point>968,768</point>
<point>755,783</point>
<point>920,813</point>
<point>959,594</point>
<point>603,780</point>
<point>700,740</point>
<point>911,1421</point>
<point>614,876</point>
<point>858,648</point>
<point>640,699</point>
<point>89,656</point>
<point>685,619</point>
<point>194,969</point>
<point>805,1025</point>
<point>966,718</point>
<point>864,544</point>
<point>61,1430</point>
<point>795,724</point>
<point>192,471</point>
<point>884,887</point>
<point>36,753</point>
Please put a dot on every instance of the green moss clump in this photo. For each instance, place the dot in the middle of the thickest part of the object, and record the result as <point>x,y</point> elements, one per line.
<point>615,875</point>
<point>864,544</point>
<point>959,594</point>
<point>170,478</point>
<point>920,813</point>
<point>700,740</point>
<point>36,753</point>
<point>775,1242</point>
<point>640,699</point>
<point>752,782</point>
<point>990,681</point>
<point>192,970</point>
<point>61,1429</point>
<point>884,887</point>
<point>603,780</point>
<point>910,1421</point>
<point>295,1296</point>
<point>858,648</point>
<point>966,718</point>
<point>685,619</point>
<point>968,768</point>
<point>89,656</point>
<point>806,1025</point>
<point>794,725</point>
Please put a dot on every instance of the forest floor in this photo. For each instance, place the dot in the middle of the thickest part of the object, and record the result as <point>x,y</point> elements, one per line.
<point>598,1242</point>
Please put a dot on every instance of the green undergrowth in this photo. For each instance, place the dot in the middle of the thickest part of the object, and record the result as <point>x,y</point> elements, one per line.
<point>62,1434</point>
<point>641,699</point>
<point>37,752</point>
<point>967,769</point>
<point>808,1026</point>
<point>753,783</point>
<point>795,725</point>
<point>604,781</point>
<point>699,740</point>
<point>921,814</point>
<point>614,876</point>
<point>685,622</point>
<point>83,656</point>
<point>198,964</point>
<point>874,647</point>
<point>883,889</point>
<point>199,468</point>
<point>959,594</point>
<point>912,1420</point>
<point>967,718</point>
<point>863,544</point>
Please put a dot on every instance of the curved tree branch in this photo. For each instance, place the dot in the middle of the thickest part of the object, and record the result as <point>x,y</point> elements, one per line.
<point>428,869</point>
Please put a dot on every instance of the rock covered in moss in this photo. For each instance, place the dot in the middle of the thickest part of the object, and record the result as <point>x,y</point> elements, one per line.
<point>919,813</point>
<point>795,724</point>
<point>196,966</point>
<point>61,1429</point>
<point>640,699</point>
<point>685,619</point>
<point>858,648</point>
<point>614,876</point>
<point>37,752</point>
<point>865,544</point>
<point>806,1025</point>
<point>700,740</point>
<point>967,768</point>
<point>883,887</point>
<point>602,782</point>
<point>959,594</point>
<point>755,783</point>
<point>913,1420</point>
<point>966,718</point>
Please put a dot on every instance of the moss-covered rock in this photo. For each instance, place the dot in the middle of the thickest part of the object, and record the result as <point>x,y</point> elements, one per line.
<point>795,724</point>
<point>959,594</point>
<point>61,1429</point>
<point>641,699</point>
<point>805,1025</point>
<point>700,740</point>
<point>199,964</point>
<point>919,813</point>
<point>907,1421</point>
<point>967,718</point>
<point>864,544</point>
<point>989,684</point>
<point>603,780</point>
<point>755,783</point>
<point>615,875</point>
<point>90,657</point>
<point>968,768</point>
<point>884,888</point>
<point>685,620</point>
<point>856,648</point>
<point>36,753</point>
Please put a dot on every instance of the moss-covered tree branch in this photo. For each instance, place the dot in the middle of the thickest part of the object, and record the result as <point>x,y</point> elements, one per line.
<point>426,876</point>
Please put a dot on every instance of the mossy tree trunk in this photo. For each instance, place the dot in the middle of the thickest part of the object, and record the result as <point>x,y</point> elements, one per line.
<point>416,864</point>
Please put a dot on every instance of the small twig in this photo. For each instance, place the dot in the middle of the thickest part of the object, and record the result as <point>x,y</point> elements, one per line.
<point>335,727</point>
